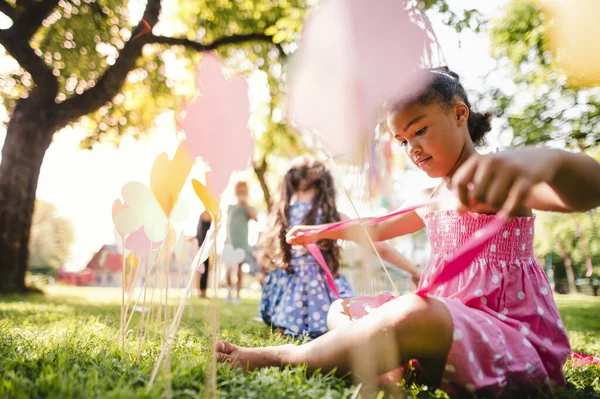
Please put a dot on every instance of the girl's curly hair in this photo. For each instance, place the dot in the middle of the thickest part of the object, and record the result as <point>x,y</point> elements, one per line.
<point>305,174</point>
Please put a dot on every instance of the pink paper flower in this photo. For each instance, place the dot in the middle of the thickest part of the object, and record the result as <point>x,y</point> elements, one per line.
<point>140,244</point>
<point>216,124</point>
<point>355,55</point>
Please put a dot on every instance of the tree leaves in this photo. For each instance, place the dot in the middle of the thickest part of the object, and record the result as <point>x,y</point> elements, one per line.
<point>543,108</point>
<point>51,237</point>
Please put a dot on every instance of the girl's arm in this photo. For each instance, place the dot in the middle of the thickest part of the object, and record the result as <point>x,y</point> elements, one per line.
<point>403,224</point>
<point>389,254</point>
<point>536,178</point>
<point>575,184</point>
<point>252,213</point>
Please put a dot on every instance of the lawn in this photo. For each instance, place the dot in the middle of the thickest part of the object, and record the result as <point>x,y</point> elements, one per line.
<point>64,344</point>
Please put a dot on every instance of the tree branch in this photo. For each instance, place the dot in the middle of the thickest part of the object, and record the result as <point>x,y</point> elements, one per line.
<point>8,10</point>
<point>114,77</point>
<point>222,41</point>
<point>31,20</point>
<point>16,41</point>
<point>46,84</point>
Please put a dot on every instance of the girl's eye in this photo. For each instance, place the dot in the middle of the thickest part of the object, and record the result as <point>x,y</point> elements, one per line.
<point>421,132</point>
<point>401,140</point>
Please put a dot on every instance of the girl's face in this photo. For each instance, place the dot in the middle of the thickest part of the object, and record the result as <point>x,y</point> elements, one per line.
<point>241,191</point>
<point>434,138</point>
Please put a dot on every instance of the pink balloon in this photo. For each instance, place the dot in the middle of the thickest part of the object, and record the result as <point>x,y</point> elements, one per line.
<point>139,243</point>
<point>216,124</point>
<point>355,55</point>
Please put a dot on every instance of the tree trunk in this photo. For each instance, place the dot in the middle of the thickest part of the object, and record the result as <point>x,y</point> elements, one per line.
<point>591,213</point>
<point>260,175</point>
<point>28,135</point>
<point>568,268</point>
<point>586,252</point>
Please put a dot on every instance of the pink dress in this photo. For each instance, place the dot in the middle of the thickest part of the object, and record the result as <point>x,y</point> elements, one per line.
<point>508,333</point>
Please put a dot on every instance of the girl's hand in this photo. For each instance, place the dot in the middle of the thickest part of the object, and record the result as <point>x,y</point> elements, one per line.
<point>299,235</point>
<point>416,278</point>
<point>502,180</point>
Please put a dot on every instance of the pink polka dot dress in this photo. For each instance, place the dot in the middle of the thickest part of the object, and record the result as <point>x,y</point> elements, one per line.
<point>508,333</point>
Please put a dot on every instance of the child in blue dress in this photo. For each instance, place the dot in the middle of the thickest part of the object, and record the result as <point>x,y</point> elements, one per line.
<point>295,298</point>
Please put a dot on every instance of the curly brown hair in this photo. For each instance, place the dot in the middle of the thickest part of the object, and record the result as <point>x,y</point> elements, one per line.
<point>305,174</point>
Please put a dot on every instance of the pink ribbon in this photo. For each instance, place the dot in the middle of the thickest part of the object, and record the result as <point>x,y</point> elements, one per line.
<point>360,306</point>
<point>370,222</point>
<point>466,254</point>
<point>316,253</point>
<point>461,260</point>
<point>582,360</point>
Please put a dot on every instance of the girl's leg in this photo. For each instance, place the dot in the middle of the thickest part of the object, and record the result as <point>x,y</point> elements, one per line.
<point>338,316</point>
<point>240,274</point>
<point>228,282</point>
<point>406,328</point>
<point>204,280</point>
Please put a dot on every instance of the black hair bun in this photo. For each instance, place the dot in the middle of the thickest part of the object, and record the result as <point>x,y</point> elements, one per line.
<point>479,124</point>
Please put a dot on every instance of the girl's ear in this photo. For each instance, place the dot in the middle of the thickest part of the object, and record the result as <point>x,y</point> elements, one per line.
<point>461,111</point>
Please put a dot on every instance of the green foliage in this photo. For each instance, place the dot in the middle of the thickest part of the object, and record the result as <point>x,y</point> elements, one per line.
<point>82,38</point>
<point>541,107</point>
<point>471,18</point>
<point>79,41</point>
<point>553,229</point>
<point>64,344</point>
<point>521,36</point>
<point>51,238</point>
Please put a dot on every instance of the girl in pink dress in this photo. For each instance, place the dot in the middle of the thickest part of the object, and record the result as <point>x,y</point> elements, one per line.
<point>493,328</point>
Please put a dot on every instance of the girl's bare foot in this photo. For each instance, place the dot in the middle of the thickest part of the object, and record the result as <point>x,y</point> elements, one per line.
<point>280,331</point>
<point>391,377</point>
<point>251,358</point>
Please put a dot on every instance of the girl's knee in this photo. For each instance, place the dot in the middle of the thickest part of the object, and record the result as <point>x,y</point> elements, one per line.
<point>337,313</point>
<point>422,324</point>
<point>337,306</point>
<point>416,312</point>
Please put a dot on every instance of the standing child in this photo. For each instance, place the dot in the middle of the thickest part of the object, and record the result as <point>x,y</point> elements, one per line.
<point>493,328</point>
<point>296,298</point>
<point>238,217</point>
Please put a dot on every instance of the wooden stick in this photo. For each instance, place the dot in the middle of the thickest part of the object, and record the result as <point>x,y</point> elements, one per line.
<point>337,177</point>
<point>154,284</point>
<point>212,391</point>
<point>141,328</point>
<point>133,311</point>
<point>167,269</point>
<point>176,320</point>
<point>122,337</point>
<point>130,293</point>
<point>167,365</point>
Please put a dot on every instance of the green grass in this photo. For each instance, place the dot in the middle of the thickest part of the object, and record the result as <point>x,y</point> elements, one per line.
<point>64,344</point>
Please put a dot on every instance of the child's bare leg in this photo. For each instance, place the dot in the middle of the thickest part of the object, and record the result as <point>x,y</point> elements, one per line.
<point>228,278</point>
<point>240,273</point>
<point>405,328</point>
<point>338,315</point>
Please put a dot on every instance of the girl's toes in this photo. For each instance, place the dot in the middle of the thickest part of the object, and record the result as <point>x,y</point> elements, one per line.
<point>224,347</point>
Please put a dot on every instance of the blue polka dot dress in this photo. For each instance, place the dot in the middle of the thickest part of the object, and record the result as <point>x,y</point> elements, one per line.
<point>299,302</point>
